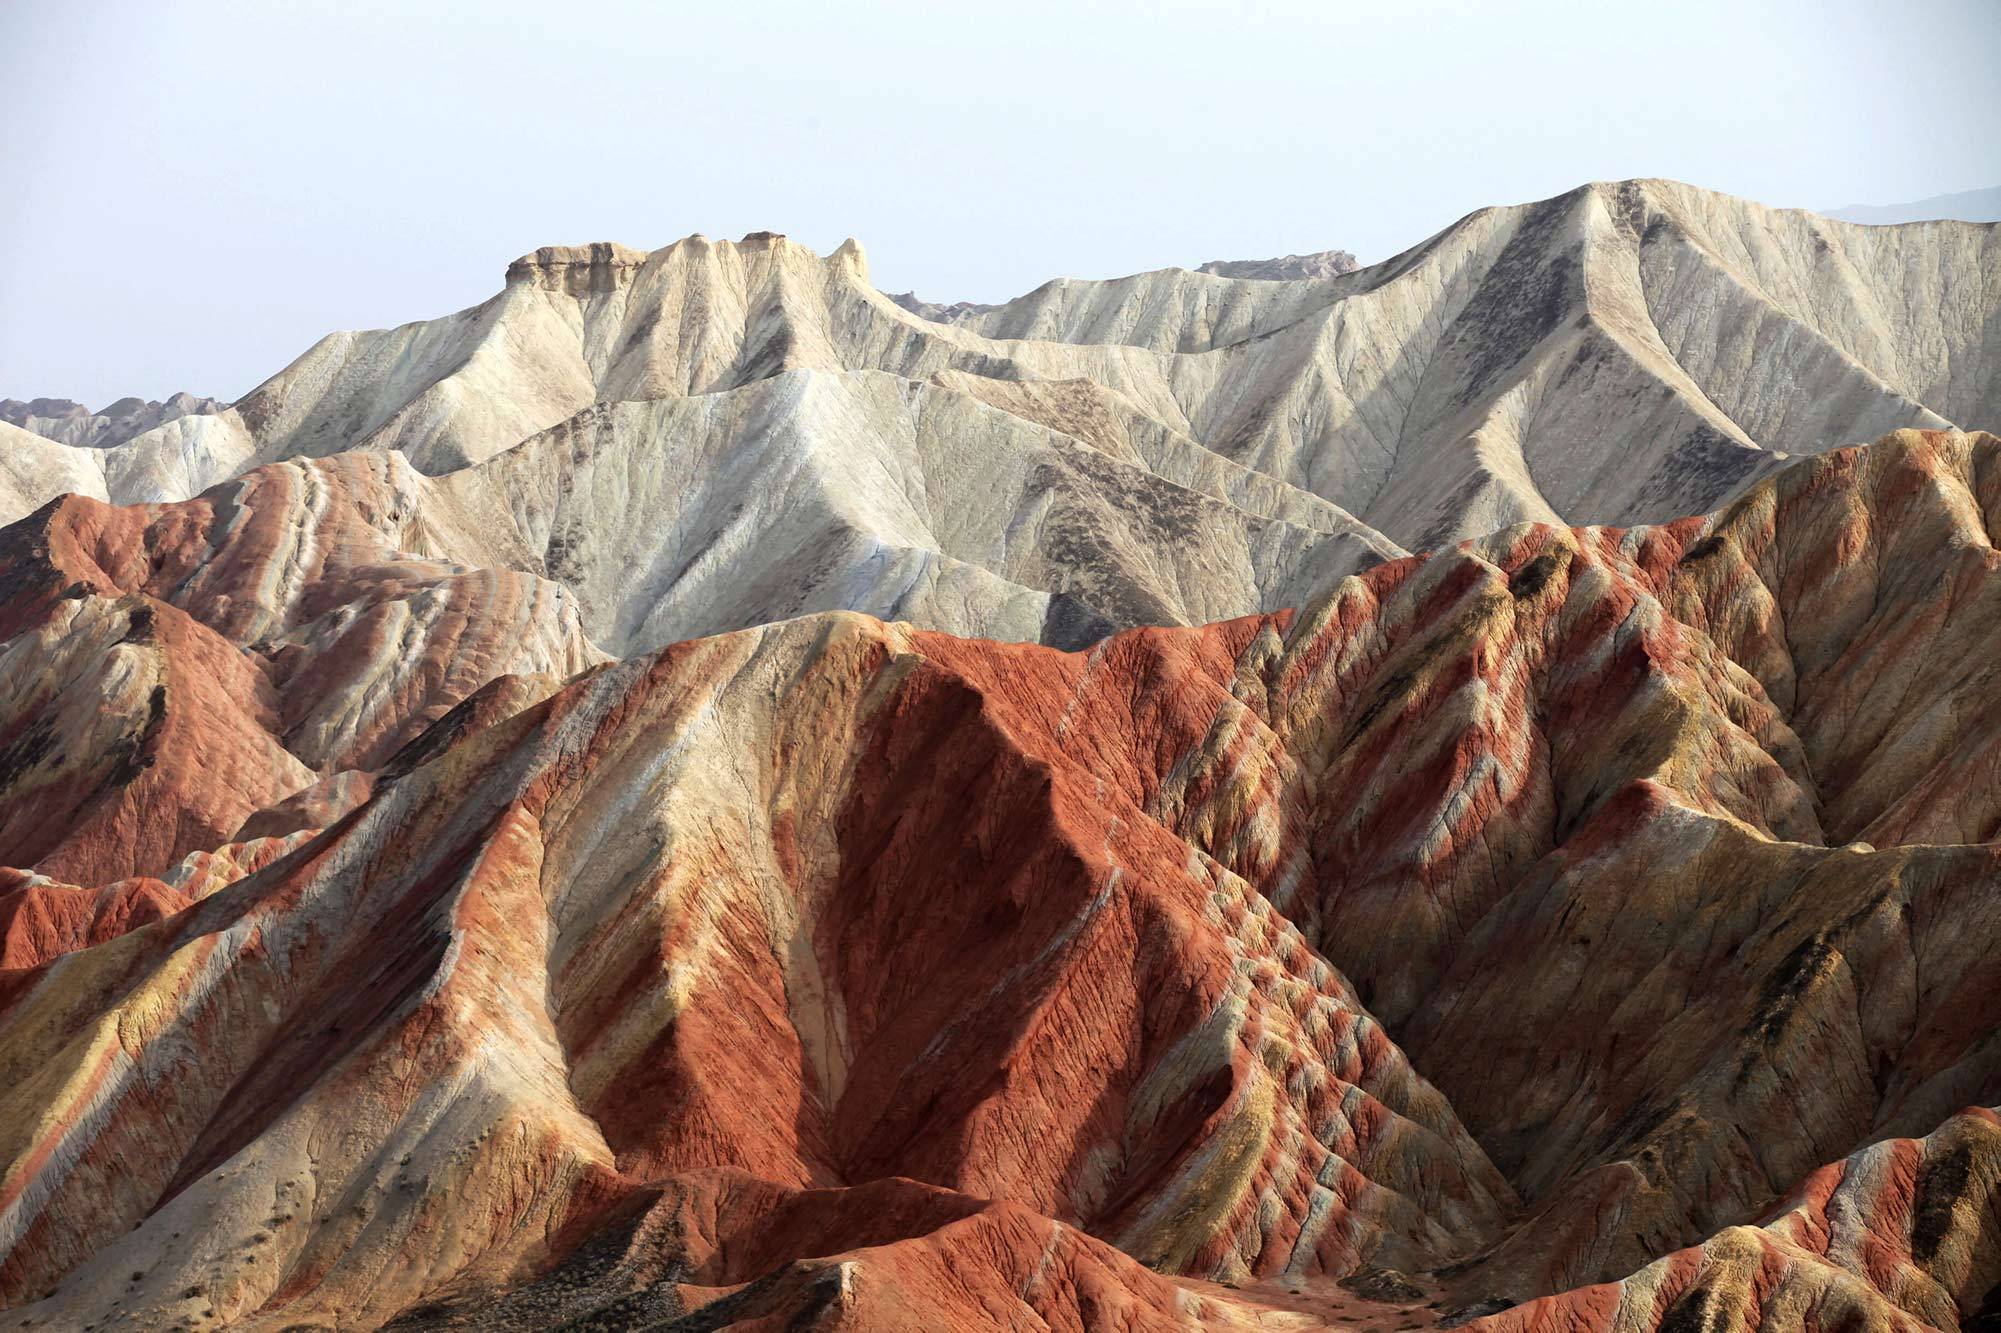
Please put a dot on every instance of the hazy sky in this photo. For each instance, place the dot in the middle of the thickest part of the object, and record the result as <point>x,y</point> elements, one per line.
<point>197,191</point>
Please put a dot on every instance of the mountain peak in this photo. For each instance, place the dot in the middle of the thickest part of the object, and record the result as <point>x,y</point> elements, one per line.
<point>850,255</point>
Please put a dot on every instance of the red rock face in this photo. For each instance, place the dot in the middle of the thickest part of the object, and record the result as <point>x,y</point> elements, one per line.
<point>171,670</point>
<point>1597,920</point>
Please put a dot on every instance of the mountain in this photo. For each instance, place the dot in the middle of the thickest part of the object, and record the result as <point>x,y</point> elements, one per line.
<point>1902,1202</point>
<point>66,422</point>
<point>1968,206</point>
<point>692,796</point>
<point>1622,354</point>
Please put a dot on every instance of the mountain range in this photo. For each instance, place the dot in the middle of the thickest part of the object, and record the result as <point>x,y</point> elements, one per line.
<point>1458,792</point>
<point>1027,472</point>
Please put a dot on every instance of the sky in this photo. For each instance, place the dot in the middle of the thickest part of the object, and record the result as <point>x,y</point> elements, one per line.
<point>197,191</point>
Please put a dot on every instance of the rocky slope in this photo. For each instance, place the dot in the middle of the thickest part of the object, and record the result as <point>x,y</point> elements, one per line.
<point>948,504</point>
<point>940,312</point>
<point>1323,264</point>
<point>1901,1235</point>
<point>383,955</point>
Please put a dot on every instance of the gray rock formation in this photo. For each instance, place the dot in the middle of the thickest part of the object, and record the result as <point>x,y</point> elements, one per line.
<point>819,490</point>
<point>717,433</point>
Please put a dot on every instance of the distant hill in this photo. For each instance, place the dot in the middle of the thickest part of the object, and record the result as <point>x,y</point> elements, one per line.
<point>1967,206</point>
<point>1287,268</point>
<point>66,422</point>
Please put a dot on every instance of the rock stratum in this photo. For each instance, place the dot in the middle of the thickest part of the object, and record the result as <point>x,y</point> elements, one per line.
<point>866,823</point>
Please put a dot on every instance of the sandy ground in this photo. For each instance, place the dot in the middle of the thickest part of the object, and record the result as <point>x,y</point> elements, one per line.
<point>1315,1303</point>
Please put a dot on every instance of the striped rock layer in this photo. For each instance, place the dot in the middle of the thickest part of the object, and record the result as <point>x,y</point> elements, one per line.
<point>168,671</point>
<point>1598,920</point>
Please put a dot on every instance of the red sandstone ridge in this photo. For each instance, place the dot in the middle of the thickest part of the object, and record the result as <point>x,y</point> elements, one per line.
<point>1901,1235</point>
<point>1597,926</point>
<point>172,669</point>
